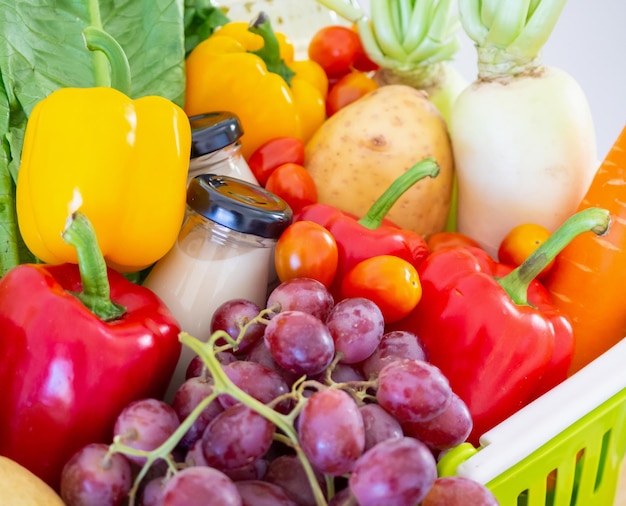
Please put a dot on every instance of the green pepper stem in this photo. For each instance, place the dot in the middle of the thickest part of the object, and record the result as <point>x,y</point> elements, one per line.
<point>270,52</point>
<point>380,208</point>
<point>594,219</point>
<point>111,65</point>
<point>97,39</point>
<point>96,294</point>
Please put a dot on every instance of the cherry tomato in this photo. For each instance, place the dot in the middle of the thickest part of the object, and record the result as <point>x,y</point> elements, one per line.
<point>273,153</point>
<point>391,282</point>
<point>520,242</point>
<point>306,250</point>
<point>363,62</point>
<point>440,240</point>
<point>349,88</point>
<point>335,48</point>
<point>293,183</point>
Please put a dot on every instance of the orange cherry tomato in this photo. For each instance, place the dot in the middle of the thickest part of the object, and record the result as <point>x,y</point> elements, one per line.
<point>440,240</point>
<point>349,88</point>
<point>389,281</point>
<point>520,242</point>
<point>273,153</point>
<point>293,183</point>
<point>306,250</point>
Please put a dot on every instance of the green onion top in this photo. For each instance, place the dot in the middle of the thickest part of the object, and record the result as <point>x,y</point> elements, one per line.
<point>404,34</point>
<point>509,34</point>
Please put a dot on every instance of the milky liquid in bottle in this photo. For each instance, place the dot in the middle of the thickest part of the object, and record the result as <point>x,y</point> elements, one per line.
<point>223,252</point>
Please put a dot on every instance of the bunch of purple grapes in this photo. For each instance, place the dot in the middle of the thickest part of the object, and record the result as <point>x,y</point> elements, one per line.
<point>305,402</point>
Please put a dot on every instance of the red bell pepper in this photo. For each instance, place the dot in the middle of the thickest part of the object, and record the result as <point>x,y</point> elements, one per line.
<point>373,235</point>
<point>71,360</point>
<point>492,329</point>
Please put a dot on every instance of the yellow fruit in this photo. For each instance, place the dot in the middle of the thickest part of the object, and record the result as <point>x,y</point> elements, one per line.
<point>20,487</point>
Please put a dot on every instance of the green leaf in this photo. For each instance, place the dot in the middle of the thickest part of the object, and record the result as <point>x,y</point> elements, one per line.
<point>151,32</point>
<point>42,48</point>
<point>12,121</point>
<point>201,20</point>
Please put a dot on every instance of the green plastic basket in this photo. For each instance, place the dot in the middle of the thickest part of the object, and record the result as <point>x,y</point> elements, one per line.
<point>564,449</point>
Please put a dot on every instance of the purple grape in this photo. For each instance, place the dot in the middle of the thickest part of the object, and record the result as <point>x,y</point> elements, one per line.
<point>196,367</point>
<point>412,390</point>
<point>92,476</point>
<point>458,491</point>
<point>258,381</point>
<point>236,437</point>
<point>449,428</point>
<point>343,498</point>
<point>357,326</point>
<point>394,345</point>
<point>231,316</point>
<point>301,294</point>
<point>346,373</point>
<point>331,431</point>
<point>287,472</point>
<point>152,494</point>
<point>379,425</point>
<point>145,424</point>
<point>260,354</point>
<point>200,486</point>
<point>186,399</point>
<point>395,472</point>
<point>195,455</point>
<point>340,373</point>
<point>262,493</point>
<point>299,342</point>
<point>254,471</point>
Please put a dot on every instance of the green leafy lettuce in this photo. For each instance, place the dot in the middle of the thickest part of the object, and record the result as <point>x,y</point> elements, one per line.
<point>201,20</point>
<point>42,48</point>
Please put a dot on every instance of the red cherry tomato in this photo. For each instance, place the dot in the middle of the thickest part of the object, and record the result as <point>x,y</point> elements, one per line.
<point>391,282</point>
<point>293,183</point>
<point>363,62</point>
<point>441,240</point>
<point>335,48</point>
<point>306,250</point>
<point>349,88</point>
<point>520,242</point>
<point>273,153</point>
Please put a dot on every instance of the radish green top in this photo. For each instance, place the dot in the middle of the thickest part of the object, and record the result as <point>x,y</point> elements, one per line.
<point>509,34</point>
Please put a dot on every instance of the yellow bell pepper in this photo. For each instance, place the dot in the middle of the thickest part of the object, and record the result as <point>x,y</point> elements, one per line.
<point>124,160</point>
<point>246,71</point>
<point>312,72</point>
<point>238,30</point>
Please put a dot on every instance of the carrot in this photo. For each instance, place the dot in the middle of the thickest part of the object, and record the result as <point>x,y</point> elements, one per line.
<point>588,279</point>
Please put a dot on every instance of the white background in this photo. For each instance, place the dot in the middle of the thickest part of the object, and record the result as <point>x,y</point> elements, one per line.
<point>588,42</point>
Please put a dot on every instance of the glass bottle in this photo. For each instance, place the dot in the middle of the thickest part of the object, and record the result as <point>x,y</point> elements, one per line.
<point>223,252</point>
<point>216,146</point>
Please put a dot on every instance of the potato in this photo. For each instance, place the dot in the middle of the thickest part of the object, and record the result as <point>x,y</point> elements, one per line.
<point>20,487</point>
<point>360,150</point>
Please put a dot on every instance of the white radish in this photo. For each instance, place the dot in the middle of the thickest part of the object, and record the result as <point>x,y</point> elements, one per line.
<point>522,134</point>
